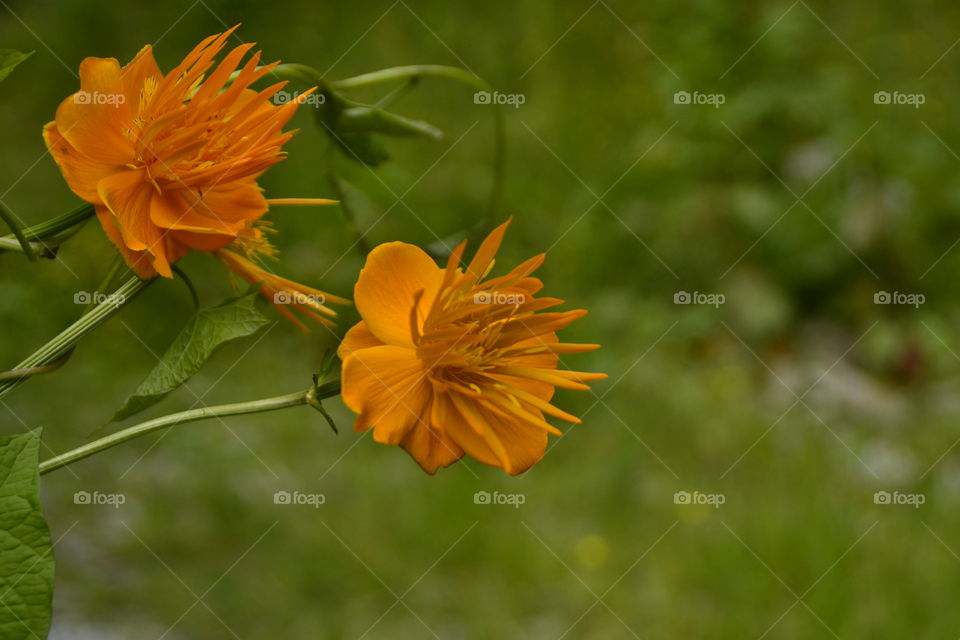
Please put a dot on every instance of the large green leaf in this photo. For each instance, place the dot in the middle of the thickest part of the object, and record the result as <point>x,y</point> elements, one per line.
<point>26,558</point>
<point>207,329</point>
<point>9,59</point>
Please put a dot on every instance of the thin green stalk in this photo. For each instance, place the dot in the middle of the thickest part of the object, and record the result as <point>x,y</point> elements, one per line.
<point>60,223</point>
<point>411,71</point>
<point>61,344</point>
<point>307,397</point>
<point>459,75</point>
<point>43,238</point>
<point>35,371</point>
<point>309,75</point>
<point>22,243</point>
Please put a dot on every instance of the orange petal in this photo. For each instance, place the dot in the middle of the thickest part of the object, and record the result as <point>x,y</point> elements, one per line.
<point>81,173</point>
<point>487,251</point>
<point>543,360</point>
<point>208,242</point>
<point>139,261</point>
<point>524,444</point>
<point>129,197</point>
<point>134,76</point>
<point>93,118</point>
<point>183,211</point>
<point>446,417</point>
<point>358,337</point>
<point>521,445</point>
<point>431,448</point>
<point>386,290</point>
<point>388,387</point>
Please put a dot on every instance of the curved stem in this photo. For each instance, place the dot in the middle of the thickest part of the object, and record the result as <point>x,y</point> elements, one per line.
<point>308,396</point>
<point>34,371</point>
<point>61,344</point>
<point>459,75</point>
<point>55,231</point>
<point>411,71</point>
<point>22,243</point>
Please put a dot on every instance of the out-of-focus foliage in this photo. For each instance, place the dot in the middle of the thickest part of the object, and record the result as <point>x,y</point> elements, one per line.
<point>799,199</point>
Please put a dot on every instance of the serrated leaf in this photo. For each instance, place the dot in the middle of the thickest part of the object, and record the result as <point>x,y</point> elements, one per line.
<point>26,555</point>
<point>9,59</point>
<point>206,330</point>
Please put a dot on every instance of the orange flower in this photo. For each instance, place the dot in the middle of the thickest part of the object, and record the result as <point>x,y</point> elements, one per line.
<point>446,364</point>
<point>171,161</point>
<point>282,292</point>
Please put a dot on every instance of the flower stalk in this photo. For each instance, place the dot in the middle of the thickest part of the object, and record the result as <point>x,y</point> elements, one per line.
<point>310,397</point>
<point>42,239</point>
<point>56,348</point>
<point>415,72</point>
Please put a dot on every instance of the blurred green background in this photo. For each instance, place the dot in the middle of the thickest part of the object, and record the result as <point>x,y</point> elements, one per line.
<point>796,400</point>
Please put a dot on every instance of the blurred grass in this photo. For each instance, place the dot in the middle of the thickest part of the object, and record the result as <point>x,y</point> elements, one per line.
<point>697,397</point>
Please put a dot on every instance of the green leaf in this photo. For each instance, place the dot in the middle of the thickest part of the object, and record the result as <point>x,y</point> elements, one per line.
<point>352,127</point>
<point>26,555</point>
<point>9,59</point>
<point>372,119</point>
<point>362,147</point>
<point>207,329</point>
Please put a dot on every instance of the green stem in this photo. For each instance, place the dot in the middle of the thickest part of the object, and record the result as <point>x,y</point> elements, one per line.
<point>60,223</point>
<point>22,243</point>
<point>307,397</point>
<point>69,337</point>
<point>412,71</point>
<point>43,238</point>
<point>459,75</point>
